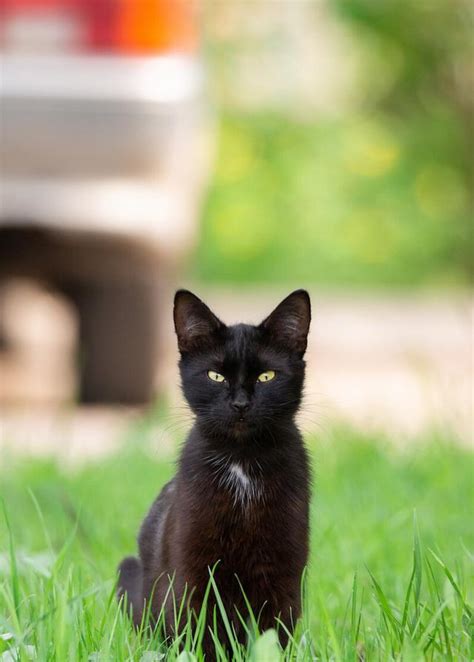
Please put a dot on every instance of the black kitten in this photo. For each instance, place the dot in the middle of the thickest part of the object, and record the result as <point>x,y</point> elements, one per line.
<point>240,497</point>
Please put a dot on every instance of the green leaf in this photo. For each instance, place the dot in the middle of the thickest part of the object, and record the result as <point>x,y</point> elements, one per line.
<point>266,648</point>
<point>184,656</point>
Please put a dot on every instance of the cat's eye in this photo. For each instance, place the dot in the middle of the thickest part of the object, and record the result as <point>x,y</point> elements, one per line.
<point>215,376</point>
<point>266,376</point>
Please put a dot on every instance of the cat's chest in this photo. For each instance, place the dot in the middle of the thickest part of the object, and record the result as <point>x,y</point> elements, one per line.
<point>243,487</point>
<point>237,498</point>
<point>227,496</point>
<point>239,514</point>
<point>242,520</point>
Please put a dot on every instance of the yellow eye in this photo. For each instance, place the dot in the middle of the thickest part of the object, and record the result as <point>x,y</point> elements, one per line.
<point>215,376</point>
<point>266,376</point>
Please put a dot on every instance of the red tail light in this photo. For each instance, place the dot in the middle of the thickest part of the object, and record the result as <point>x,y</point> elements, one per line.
<point>126,26</point>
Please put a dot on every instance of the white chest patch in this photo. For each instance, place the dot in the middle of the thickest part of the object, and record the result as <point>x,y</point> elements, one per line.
<point>231,476</point>
<point>244,488</point>
<point>240,477</point>
<point>241,484</point>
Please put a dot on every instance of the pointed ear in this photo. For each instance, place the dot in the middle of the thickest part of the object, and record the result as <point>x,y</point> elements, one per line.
<point>195,324</point>
<point>288,324</point>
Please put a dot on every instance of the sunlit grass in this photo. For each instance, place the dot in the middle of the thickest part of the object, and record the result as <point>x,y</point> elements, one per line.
<point>390,575</point>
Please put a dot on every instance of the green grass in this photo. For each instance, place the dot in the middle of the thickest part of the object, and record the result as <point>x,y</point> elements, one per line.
<point>390,574</point>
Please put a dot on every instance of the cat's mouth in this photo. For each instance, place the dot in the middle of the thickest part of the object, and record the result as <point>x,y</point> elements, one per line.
<point>240,425</point>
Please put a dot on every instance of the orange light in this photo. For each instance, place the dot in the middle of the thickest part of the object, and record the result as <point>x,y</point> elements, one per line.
<point>156,25</point>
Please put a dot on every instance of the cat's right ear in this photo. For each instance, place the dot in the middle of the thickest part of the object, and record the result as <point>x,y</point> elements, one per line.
<point>288,325</point>
<point>195,324</point>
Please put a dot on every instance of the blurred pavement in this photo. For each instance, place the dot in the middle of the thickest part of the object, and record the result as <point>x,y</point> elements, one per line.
<point>398,364</point>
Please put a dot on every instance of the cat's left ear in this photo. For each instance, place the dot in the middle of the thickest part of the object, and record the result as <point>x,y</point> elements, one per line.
<point>288,324</point>
<point>195,324</point>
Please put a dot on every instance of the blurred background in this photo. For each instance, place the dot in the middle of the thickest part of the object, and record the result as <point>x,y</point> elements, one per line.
<point>241,149</point>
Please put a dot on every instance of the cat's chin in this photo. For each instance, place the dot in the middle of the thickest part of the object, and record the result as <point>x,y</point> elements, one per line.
<point>242,430</point>
<point>232,430</point>
<point>240,427</point>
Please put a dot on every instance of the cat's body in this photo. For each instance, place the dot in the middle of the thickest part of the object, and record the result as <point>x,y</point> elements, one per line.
<point>239,501</point>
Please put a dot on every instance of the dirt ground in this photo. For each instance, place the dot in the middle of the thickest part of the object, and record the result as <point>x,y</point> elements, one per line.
<point>398,364</point>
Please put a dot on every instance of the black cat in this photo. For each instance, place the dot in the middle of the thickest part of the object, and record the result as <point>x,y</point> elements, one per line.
<point>240,497</point>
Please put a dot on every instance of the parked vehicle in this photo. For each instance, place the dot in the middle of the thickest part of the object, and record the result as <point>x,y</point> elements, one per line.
<point>105,152</point>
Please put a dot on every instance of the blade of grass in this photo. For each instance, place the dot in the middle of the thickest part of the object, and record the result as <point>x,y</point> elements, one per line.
<point>385,607</point>
<point>225,619</point>
<point>453,583</point>
<point>417,563</point>
<point>15,578</point>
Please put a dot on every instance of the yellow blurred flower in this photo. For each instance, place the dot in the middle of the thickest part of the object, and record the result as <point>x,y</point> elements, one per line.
<point>241,233</point>
<point>236,158</point>
<point>439,191</point>
<point>370,150</point>
<point>370,235</point>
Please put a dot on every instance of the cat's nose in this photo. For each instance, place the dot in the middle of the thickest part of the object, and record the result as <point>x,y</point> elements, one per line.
<point>240,405</point>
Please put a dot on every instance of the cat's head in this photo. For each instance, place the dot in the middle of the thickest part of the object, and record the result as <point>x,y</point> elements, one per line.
<point>242,380</point>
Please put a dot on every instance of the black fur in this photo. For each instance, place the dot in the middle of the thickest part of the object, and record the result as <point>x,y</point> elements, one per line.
<point>241,493</point>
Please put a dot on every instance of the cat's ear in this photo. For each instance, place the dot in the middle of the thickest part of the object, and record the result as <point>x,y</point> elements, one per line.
<point>288,325</point>
<point>195,324</point>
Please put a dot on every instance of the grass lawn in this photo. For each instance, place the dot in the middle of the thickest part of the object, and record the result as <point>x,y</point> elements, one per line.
<point>390,574</point>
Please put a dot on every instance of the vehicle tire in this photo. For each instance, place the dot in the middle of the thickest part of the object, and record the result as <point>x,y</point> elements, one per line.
<point>118,340</point>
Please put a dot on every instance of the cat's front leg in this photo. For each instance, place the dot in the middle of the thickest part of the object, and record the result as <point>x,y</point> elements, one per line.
<point>282,615</point>
<point>214,626</point>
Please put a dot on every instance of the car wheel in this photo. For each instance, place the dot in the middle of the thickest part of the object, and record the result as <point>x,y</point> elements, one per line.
<point>118,329</point>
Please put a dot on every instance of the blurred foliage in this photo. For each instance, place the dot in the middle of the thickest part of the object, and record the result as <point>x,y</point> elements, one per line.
<point>418,54</point>
<point>379,195</point>
<point>367,201</point>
